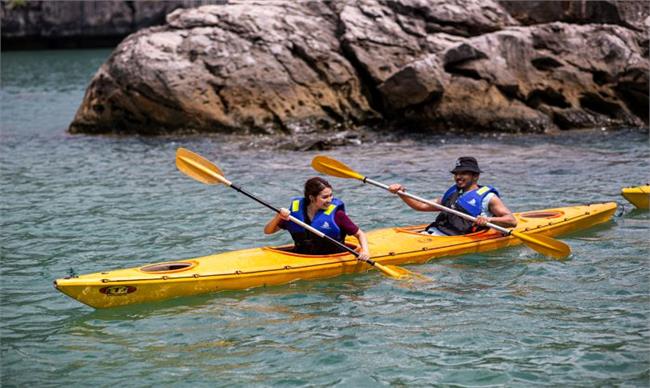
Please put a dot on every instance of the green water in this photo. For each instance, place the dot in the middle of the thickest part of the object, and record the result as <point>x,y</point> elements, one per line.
<point>506,318</point>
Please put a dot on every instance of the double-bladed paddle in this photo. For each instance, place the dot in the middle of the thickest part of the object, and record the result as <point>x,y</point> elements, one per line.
<point>202,170</point>
<point>543,244</point>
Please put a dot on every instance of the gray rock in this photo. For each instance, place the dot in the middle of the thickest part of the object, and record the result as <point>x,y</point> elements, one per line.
<point>535,78</point>
<point>382,36</point>
<point>626,13</point>
<point>299,67</point>
<point>257,68</point>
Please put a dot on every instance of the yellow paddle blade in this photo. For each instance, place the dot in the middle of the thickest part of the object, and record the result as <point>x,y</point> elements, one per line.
<point>333,167</point>
<point>400,273</point>
<point>405,274</point>
<point>394,271</point>
<point>197,167</point>
<point>545,245</point>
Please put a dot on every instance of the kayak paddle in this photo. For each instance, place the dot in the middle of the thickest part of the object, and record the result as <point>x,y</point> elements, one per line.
<point>202,170</point>
<point>543,244</point>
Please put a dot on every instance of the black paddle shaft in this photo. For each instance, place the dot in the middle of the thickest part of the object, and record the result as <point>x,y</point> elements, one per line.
<point>252,196</point>
<point>275,209</point>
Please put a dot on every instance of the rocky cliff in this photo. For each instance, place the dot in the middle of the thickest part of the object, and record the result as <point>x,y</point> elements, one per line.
<point>292,67</point>
<point>28,24</point>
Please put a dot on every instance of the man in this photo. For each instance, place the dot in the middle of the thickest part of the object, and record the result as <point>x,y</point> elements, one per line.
<point>466,196</point>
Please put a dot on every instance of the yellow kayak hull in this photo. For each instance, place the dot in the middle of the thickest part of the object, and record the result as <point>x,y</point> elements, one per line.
<point>638,196</point>
<point>268,266</point>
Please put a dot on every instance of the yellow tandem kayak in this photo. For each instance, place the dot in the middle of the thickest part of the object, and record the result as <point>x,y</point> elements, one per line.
<point>266,266</point>
<point>639,196</point>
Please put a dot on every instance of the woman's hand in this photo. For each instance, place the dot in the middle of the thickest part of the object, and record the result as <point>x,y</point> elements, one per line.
<point>284,214</point>
<point>364,256</point>
<point>395,187</point>
<point>364,251</point>
<point>272,226</point>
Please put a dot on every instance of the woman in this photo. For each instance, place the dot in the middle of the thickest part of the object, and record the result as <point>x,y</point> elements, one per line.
<point>322,211</point>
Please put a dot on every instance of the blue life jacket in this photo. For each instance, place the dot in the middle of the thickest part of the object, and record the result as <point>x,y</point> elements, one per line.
<point>468,203</point>
<point>307,242</point>
<point>471,201</point>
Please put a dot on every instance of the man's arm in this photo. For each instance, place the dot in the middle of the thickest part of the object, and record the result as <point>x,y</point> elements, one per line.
<point>502,216</point>
<point>414,204</point>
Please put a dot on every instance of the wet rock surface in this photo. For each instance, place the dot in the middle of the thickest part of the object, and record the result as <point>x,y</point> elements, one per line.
<point>309,68</point>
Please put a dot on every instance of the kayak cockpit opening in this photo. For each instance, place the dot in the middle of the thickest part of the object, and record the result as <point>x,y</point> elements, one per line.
<point>288,249</point>
<point>176,266</point>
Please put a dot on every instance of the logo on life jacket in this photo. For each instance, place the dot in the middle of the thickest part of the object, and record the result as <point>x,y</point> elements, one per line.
<point>472,202</point>
<point>325,225</point>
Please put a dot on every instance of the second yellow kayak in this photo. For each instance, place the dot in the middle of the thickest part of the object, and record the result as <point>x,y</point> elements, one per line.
<point>638,196</point>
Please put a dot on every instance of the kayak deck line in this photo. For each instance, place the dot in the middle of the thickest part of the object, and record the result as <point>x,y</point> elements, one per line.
<point>272,266</point>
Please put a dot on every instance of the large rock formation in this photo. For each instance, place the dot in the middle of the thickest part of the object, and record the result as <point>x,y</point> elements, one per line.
<point>293,67</point>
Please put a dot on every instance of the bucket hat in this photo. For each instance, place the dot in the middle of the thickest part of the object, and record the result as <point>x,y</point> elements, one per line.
<point>466,163</point>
